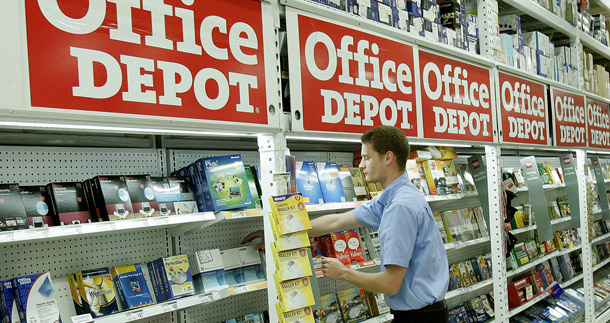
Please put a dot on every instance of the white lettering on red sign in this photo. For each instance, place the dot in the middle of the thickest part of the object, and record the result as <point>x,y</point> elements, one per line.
<point>475,164</point>
<point>598,120</point>
<point>570,118</point>
<point>566,161</point>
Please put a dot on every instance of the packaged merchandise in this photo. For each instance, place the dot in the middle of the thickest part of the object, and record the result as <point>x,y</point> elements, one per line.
<point>294,294</point>
<point>200,187</point>
<point>183,199</point>
<point>253,273</point>
<point>12,212</point>
<point>335,245</point>
<point>142,196</point>
<point>131,286</point>
<point>347,184</point>
<point>353,246</point>
<point>289,214</point>
<point>359,183</point>
<point>208,271</point>
<point>329,310</point>
<point>308,183</point>
<point>11,312</point>
<point>97,292</point>
<point>224,183</point>
<point>292,264</point>
<point>254,185</point>
<point>302,315</point>
<point>69,203</point>
<point>75,292</point>
<point>291,240</point>
<point>174,277</point>
<point>36,300</point>
<point>416,174</point>
<point>233,271</point>
<point>353,305</point>
<point>36,204</point>
<point>91,194</point>
<point>113,198</point>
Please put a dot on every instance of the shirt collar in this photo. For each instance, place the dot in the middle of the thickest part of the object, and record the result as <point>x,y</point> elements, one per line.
<point>391,190</point>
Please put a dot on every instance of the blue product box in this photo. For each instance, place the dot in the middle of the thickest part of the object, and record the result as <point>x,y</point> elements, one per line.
<point>154,281</point>
<point>373,12</point>
<point>330,182</point>
<point>353,7</point>
<point>211,281</point>
<point>225,184</point>
<point>235,276</point>
<point>131,286</point>
<point>33,292</point>
<point>308,183</point>
<point>11,313</point>
<point>472,26</point>
<point>176,276</point>
<point>414,8</point>
<point>199,186</point>
<point>161,280</point>
<point>253,273</point>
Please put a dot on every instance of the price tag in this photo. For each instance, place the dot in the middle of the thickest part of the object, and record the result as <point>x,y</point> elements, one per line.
<point>135,315</point>
<point>37,233</point>
<point>354,266</point>
<point>239,214</point>
<point>72,229</point>
<point>241,289</point>
<point>141,222</point>
<point>107,226</point>
<point>206,298</point>
<point>7,237</point>
<point>84,318</point>
<point>169,307</point>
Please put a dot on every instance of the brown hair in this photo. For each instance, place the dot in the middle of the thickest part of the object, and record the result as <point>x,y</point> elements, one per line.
<point>388,138</point>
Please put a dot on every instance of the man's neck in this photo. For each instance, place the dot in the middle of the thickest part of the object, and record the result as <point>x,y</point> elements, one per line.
<point>390,178</point>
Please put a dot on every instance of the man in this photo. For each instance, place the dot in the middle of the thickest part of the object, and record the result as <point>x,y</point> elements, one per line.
<point>414,271</point>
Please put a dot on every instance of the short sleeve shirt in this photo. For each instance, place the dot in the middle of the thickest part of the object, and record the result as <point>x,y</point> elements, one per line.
<point>409,238</point>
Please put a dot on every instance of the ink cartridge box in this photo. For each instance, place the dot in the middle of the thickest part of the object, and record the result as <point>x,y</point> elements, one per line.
<point>330,182</point>
<point>208,271</point>
<point>69,203</point>
<point>308,183</point>
<point>225,183</point>
<point>175,275</point>
<point>12,213</point>
<point>131,286</point>
<point>36,299</point>
<point>142,196</point>
<point>97,292</point>
<point>11,313</point>
<point>36,204</point>
<point>113,198</point>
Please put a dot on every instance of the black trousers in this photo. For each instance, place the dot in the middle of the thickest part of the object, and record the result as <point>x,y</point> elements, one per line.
<point>433,313</point>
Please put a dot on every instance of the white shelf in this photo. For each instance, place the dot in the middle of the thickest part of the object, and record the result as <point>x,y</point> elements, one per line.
<point>320,208</point>
<point>531,302</point>
<point>464,244</point>
<point>449,197</point>
<point>534,227</point>
<point>165,307</point>
<point>468,289</point>
<point>571,281</point>
<point>383,318</point>
<point>229,215</point>
<point>540,260</point>
<point>545,186</point>
<point>601,238</point>
<point>604,317</point>
<point>543,15</point>
<point>601,264</point>
<point>67,231</point>
<point>592,44</point>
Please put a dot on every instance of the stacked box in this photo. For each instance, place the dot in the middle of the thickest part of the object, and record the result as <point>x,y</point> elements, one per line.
<point>36,204</point>
<point>131,286</point>
<point>69,203</point>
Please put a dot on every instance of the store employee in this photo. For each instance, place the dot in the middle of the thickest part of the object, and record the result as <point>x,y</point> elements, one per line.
<point>414,272</point>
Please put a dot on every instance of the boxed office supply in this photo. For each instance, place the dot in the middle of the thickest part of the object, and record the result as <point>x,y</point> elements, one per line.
<point>302,315</point>
<point>36,300</point>
<point>291,240</point>
<point>232,264</point>
<point>174,276</point>
<point>131,286</point>
<point>224,182</point>
<point>11,312</point>
<point>248,256</point>
<point>97,292</point>
<point>330,309</point>
<point>142,195</point>
<point>353,305</point>
<point>254,185</point>
<point>208,271</point>
<point>354,248</point>
<point>36,203</point>
<point>330,182</point>
<point>335,245</point>
<point>12,212</point>
<point>347,184</point>
<point>294,294</point>
<point>113,198</point>
<point>289,214</point>
<point>308,183</point>
<point>292,264</point>
<point>184,197</point>
<point>69,203</point>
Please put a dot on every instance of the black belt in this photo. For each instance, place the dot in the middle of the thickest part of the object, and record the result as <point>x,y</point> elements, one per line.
<point>438,306</point>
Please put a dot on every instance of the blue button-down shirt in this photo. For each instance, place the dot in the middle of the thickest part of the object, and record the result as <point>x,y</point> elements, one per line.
<point>409,238</point>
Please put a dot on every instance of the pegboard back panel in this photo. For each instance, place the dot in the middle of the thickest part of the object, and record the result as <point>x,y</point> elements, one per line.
<point>316,156</point>
<point>42,165</point>
<point>223,235</point>
<point>342,158</point>
<point>515,161</point>
<point>183,158</point>
<point>228,308</point>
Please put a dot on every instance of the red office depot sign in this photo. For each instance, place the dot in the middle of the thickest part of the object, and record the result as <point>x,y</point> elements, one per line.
<point>201,59</point>
<point>598,124</point>
<point>569,118</point>
<point>456,99</point>
<point>523,111</point>
<point>350,80</point>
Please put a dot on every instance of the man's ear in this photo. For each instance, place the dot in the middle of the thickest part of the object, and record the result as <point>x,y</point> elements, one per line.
<point>389,157</point>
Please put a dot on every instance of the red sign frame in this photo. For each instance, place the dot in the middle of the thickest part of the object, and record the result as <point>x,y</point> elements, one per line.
<point>598,124</point>
<point>569,122</point>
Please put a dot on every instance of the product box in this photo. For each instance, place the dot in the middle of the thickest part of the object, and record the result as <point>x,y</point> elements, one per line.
<point>291,241</point>
<point>131,286</point>
<point>253,273</point>
<point>233,271</point>
<point>12,313</point>
<point>308,183</point>
<point>359,183</point>
<point>334,245</point>
<point>12,212</point>
<point>200,187</point>
<point>292,264</point>
<point>36,203</point>
<point>33,294</point>
<point>208,271</point>
<point>353,246</point>
<point>225,183</point>
<point>184,197</point>
<point>348,185</point>
<point>289,214</point>
<point>248,256</point>
<point>175,274</point>
<point>302,315</point>
<point>434,175</point>
<point>353,305</point>
<point>142,196</point>
<point>330,182</point>
<point>69,203</point>
<point>92,202</point>
<point>294,294</point>
<point>329,310</point>
<point>114,199</point>
<point>97,292</point>
<point>255,186</point>
<point>75,293</point>
<point>415,172</point>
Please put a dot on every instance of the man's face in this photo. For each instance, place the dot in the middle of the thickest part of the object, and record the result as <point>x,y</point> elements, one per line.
<point>372,164</point>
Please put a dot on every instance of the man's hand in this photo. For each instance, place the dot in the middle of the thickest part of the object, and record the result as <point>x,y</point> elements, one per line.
<point>256,235</point>
<point>333,268</point>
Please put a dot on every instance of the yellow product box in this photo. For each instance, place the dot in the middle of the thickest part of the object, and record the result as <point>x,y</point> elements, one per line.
<point>420,155</point>
<point>294,294</point>
<point>289,213</point>
<point>292,264</point>
<point>302,315</point>
<point>291,241</point>
<point>448,154</point>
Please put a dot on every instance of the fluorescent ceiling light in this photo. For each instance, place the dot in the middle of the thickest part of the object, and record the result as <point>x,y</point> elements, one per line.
<point>323,139</point>
<point>120,129</point>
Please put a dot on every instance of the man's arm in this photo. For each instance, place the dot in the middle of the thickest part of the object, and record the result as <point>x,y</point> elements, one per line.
<point>333,223</point>
<point>387,282</point>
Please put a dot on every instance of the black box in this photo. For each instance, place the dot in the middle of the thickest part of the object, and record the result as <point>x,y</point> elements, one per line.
<point>113,198</point>
<point>12,213</point>
<point>142,196</point>
<point>37,204</point>
<point>92,203</point>
<point>450,12</point>
<point>69,203</point>
<point>174,195</point>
